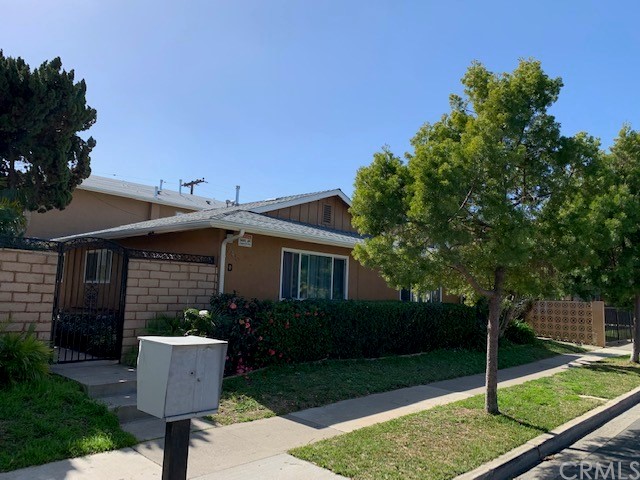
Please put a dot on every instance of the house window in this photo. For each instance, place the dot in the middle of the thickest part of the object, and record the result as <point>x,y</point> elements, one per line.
<point>433,296</point>
<point>97,266</point>
<point>313,275</point>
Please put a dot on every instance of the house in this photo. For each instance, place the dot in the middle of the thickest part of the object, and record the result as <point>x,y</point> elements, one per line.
<point>298,246</point>
<point>101,202</point>
<point>94,293</point>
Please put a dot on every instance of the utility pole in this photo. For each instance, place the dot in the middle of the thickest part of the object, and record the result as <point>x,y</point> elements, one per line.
<point>192,183</point>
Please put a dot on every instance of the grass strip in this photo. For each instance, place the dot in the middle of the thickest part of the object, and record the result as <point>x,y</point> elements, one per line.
<point>446,441</point>
<point>51,420</point>
<point>288,388</point>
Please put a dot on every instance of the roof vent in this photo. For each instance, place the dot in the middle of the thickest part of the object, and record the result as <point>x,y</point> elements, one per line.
<point>326,213</point>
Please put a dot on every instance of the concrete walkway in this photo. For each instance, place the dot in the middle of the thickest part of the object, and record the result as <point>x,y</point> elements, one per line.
<point>258,449</point>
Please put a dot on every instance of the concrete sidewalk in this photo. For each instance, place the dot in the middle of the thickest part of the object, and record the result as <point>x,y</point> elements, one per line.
<point>258,449</point>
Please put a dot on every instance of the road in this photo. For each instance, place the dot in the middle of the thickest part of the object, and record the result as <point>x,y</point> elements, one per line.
<point>610,453</point>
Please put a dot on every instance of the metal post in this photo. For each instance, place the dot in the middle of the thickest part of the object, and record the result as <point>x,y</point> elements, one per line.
<point>176,450</point>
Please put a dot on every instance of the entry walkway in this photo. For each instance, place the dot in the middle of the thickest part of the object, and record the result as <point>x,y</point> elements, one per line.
<point>258,449</point>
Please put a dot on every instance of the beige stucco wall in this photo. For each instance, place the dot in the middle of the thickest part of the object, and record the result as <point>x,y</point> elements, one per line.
<point>255,271</point>
<point>162,287</point>
<point>90,211</point>
<point>27,285</point>
<point>194,242</point>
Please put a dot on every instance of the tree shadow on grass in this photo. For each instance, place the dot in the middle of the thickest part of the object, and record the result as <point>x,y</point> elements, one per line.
<point>626,369</point>
<point>525,424</point>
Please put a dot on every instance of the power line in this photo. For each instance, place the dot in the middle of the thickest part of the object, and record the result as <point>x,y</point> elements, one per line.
<point>192,183</point>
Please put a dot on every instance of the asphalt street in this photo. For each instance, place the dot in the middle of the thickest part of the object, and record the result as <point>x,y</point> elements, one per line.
<point>611,452</point>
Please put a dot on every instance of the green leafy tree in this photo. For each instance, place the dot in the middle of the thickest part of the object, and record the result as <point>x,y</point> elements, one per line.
<point>606,211</point>
<point>12,220</point>
<point>470,208</point>
<point>42,159</point>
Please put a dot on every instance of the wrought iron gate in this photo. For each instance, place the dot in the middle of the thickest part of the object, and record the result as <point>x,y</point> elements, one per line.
<point>618,325</point>
<point>88,309</point>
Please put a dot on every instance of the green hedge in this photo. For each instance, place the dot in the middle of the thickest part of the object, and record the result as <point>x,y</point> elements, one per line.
<point>262,333</point>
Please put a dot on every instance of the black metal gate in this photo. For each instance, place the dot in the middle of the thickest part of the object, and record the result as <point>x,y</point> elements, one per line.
<point>618,325</point>
<point>88,308</point>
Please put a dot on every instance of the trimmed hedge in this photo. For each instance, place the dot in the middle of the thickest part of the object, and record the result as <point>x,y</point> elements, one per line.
<point>262,333</point>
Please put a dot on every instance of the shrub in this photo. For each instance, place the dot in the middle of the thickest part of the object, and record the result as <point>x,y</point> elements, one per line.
<point>520,332</point>
<point>199,322</point>
<point>23,357</point>
<point>191,322</point>
<point>262,333</point>
<point>167,326</point>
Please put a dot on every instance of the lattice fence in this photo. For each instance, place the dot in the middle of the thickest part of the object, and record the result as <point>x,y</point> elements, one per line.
<point>578,322</point>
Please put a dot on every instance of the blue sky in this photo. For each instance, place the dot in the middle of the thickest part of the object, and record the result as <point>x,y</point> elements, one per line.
<point>285,97</point>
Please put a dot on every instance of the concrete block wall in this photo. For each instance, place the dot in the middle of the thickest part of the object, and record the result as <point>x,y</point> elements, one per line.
<point>157,287</point>
<point>27,285</point>
<point>578,322</point>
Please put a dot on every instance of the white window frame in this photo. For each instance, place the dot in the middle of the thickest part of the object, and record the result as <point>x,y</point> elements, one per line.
<point>417,297</point>
<point>318,254</point>
<point>109,256</point>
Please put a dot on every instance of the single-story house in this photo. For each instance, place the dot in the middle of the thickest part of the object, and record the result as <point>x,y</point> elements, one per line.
<point>101,202</point>
<point>298,247</point>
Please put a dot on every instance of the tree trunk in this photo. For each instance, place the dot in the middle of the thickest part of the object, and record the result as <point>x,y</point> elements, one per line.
<point>635,352</point>
<point>493,334</point>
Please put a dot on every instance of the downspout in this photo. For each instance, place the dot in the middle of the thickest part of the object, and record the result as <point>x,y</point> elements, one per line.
<point>223,258</point>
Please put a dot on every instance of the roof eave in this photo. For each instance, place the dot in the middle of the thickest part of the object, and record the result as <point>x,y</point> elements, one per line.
<point>142,198</point>
<point>278,234</point>
<point>138,232</point>
<point>227,225</point>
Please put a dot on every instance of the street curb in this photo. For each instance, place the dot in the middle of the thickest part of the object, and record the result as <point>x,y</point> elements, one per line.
<point>526,456</point>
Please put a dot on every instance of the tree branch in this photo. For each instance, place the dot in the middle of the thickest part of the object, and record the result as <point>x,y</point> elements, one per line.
<point>472,280</point>
<point>463,204</point>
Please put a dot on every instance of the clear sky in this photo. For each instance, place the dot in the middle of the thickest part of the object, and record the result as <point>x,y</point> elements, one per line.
<point>285,97</point>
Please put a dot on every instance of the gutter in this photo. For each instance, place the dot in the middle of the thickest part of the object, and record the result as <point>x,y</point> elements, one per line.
<point>223,258</point>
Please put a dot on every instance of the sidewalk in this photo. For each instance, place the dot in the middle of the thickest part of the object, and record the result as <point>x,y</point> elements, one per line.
<point>258,449</point>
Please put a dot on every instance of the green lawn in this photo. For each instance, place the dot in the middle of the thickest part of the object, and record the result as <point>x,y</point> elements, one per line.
<point>51,420</point>
<point>284,389</point>
<point>446,441</point>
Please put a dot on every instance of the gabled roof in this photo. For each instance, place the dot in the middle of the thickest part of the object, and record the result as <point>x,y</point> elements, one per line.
<point>248,217</point>
<point>292,200</point>
<point>146,193</point>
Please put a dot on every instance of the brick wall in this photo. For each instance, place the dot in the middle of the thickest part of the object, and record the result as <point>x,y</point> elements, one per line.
<point>27,284</point>
<point>157,287</point>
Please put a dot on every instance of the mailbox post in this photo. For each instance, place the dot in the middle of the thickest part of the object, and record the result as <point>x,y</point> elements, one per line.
<point>179,378</point>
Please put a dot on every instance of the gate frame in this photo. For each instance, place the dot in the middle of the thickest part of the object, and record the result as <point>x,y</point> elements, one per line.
<point>99,243</point>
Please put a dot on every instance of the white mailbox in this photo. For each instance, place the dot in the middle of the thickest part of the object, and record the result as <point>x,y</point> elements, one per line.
<point>180,377</point>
